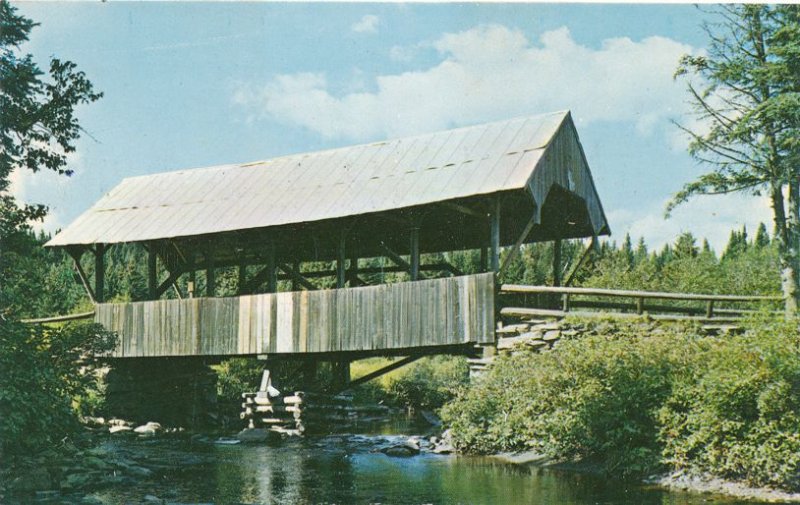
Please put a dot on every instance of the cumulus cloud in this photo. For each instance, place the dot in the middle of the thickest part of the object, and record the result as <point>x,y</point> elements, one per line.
<point>487,72</point>
<point>37,187</point>
<point>711,217</point>
<point>367,24</point>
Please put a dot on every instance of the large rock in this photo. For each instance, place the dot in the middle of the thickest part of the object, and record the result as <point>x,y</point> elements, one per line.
<point>254,435</point>
<point>118,428</point>
<point>403,450</point>
<point>552,335</point>
<point>149,429</point>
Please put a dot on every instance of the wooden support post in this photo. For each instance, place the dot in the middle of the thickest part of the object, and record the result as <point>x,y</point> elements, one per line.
<point>352,274</point>
<point>272,275</point>
<point>340,375</point>
<point>99,273</point>
<point>295,277</point>
<point>210,274</point>
<point>494,236</point>
<point>309,372</point>
<point>414,259</point>
<point>565,302</point>
<point>640,305</point>
<point>710,309</point>
<point>484,265</point>
<point>152,271</point>
<point>341,259</point>
<point>556,262</point>
<point>242,278</point>
<point>190,288</point>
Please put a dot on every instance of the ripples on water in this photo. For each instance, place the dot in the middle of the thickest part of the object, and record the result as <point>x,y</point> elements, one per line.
<point>345,469</point>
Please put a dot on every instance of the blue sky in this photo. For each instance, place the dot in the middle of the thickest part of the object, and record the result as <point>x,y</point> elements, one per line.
<point>200,84</point>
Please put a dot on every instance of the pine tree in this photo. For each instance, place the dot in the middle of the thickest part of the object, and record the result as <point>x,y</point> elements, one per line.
<point>748,106</point>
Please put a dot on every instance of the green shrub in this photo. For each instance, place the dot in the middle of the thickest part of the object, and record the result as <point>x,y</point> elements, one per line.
<point>639,399</point>
<point>43,371</point>
<point>236,376</point>
<point>596,398</point>
<point>430,382</point>
<point>738,415</point>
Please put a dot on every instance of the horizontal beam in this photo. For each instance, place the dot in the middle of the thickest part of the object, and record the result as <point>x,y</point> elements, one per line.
<point>522,289</point>
<point>527,312</point>
<point>59,319</point>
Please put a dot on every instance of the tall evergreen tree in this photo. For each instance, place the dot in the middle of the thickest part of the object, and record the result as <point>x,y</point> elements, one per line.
<point>748,102</point>
<point>762,237</point>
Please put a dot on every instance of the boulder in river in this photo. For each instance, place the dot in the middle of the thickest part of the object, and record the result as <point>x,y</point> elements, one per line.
<point>148,429</point>
<point>118,428</point>
<point>254,435</point>
<point>403,450</point>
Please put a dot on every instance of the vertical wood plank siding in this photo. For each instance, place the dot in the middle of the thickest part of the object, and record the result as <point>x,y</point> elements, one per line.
<point>435,312</point>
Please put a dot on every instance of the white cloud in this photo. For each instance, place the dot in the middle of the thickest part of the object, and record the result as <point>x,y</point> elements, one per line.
<point>711,217</point>
<point>38,187</point>
<point>367,24</point>
<point>488,72</point>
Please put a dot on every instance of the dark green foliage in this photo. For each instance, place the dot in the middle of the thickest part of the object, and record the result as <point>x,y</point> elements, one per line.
<point>37,116</point>
<point>594,398</point>
<point>236,376</point>
<point>41,379</point>
<point>636,398</point>
<point>430,382</point>
<point>737,413</point>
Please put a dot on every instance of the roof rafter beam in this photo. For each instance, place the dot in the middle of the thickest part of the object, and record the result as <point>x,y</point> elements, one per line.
<point>463,209</point>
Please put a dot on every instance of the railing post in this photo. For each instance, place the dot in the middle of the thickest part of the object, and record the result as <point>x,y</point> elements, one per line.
<point>710,309</point>
<point>640,305</point>
<point>565,301</point>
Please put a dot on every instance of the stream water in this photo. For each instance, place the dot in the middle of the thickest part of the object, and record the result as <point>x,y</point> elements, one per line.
<point>350,469</point>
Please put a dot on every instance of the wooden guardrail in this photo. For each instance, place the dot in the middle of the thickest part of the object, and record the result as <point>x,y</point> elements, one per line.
<point>638,304</point>
<point>59,319</point>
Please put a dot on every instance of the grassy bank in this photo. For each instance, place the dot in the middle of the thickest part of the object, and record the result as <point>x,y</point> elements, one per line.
<point>639,400</point>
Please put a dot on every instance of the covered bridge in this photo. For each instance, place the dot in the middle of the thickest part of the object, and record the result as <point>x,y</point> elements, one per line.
<point>482,187</point>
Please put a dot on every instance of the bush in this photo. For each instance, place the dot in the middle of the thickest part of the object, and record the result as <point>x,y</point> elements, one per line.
<point>430,382</point>
<point>43,371</point>
<point>638,402</point>
<point>738,414</point>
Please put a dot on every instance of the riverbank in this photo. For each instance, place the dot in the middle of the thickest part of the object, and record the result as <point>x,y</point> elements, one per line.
<point>642,398</point>
<point>677,481</point>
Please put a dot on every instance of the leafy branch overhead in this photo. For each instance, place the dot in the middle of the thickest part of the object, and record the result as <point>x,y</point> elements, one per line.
<point>38,126</point>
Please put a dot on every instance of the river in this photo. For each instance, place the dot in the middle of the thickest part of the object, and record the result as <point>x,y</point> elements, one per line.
<point>349,469</point>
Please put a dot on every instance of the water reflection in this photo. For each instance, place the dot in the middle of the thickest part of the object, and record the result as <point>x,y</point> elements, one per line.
<point>348,470</point>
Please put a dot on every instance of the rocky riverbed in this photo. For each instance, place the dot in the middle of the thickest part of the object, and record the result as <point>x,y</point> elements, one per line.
<point>117,454</point>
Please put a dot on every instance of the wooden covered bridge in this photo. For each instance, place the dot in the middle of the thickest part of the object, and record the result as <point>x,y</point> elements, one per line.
<point>289,223</point>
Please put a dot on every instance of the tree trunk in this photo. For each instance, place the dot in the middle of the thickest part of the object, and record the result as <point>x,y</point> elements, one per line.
<point>787,231</point>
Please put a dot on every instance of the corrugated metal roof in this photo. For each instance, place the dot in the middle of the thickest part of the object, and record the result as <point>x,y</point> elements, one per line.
<point>309,187</point>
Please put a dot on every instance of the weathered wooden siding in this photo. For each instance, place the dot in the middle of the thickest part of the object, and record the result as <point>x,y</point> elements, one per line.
<point>436,312</point>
